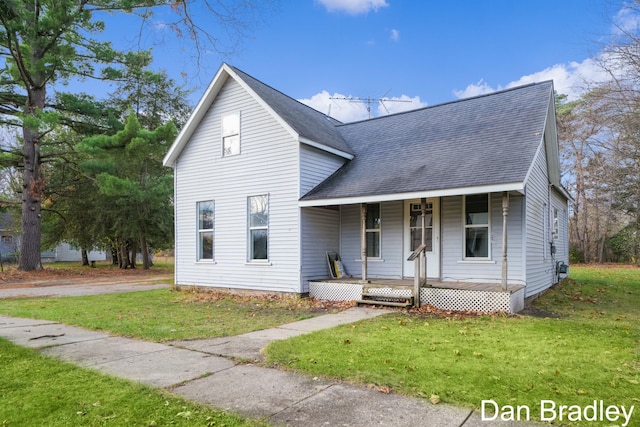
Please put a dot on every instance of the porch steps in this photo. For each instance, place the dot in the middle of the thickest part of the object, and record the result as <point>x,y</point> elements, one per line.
<point>386,300</point>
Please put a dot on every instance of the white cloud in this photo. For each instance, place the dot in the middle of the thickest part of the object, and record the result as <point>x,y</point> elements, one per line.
<point>350,109</point>
<point>626,21</point>
<point>395,35</point>
<point>353,7</point>
<point>571,79</point>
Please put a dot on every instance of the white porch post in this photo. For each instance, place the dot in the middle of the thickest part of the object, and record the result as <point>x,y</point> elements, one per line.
<point>505,214</point>
<point>423,241</point>
<point>363,240</point>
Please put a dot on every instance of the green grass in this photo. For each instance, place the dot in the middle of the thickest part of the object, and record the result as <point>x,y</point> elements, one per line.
<point>38,390</point>
<point>163,315</point>
<point>591,352</point>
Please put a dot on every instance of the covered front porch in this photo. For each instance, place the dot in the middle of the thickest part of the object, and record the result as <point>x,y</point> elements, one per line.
<point>446,295</point>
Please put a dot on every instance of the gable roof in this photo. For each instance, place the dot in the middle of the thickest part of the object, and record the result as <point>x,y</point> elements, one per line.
<point>486,143</point>
<point>305,124</point>
<point>312,127</point>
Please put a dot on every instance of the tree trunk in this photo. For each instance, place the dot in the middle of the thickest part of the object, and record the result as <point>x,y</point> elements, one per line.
<point>85,257</point>
<point>144,248</point>
<point>32,187</point>
<point>134,252</point>
<point>123,257</point>
<point>115,256</point>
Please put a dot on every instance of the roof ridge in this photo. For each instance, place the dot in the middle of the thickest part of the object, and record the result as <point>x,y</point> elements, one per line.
<point>455,101</point>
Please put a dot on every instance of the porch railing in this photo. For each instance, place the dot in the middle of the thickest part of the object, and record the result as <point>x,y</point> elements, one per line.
<point>419,258</point>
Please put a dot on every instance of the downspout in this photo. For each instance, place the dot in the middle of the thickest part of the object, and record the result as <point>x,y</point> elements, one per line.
<point>505,214</point>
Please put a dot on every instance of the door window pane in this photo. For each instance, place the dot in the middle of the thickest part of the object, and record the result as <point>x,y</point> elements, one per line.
<point>415,226</point>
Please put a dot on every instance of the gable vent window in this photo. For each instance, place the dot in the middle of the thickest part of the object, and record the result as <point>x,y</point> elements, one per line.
<point>476,226</point>
<point>230,134</point>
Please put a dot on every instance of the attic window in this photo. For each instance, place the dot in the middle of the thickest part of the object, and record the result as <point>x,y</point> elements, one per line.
<point>230,134</point>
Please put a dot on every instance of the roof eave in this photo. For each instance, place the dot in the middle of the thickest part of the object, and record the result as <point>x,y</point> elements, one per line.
<point>494,188</point>
<point>326,148</point>
<point>196,117</point>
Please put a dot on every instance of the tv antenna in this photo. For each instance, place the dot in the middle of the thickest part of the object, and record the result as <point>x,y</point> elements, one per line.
<point>368,100</point>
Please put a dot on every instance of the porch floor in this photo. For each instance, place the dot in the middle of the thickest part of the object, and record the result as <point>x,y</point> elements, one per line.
<point>433,283</point>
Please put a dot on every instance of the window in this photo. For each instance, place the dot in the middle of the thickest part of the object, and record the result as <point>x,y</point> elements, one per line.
<point>7,239</point>
<point>258,227</point>
<point>556,226</point>
<point>230,134</point>
<point>205,230</point>
<point>373,230</point>
<point>476,226</point>
<point>415,226</point>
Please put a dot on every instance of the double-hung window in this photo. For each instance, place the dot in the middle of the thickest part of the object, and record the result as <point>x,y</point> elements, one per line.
<point>556,224</point>
<point>476,226</point>
<point>206,215</point>
<point>230,134</point>
<point>373,230</point>
<point>258,224</point>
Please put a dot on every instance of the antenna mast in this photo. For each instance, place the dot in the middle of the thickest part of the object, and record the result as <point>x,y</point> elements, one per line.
<point>368,100</point>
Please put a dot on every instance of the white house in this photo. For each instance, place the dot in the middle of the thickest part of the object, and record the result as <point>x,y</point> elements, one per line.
<point>266,186</point>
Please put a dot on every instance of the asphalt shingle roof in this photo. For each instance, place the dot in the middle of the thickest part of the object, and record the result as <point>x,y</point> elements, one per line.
<point>486,140</point>
<point>307,122</point>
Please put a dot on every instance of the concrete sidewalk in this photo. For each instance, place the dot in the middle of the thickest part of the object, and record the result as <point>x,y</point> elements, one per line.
<point>207,371</point>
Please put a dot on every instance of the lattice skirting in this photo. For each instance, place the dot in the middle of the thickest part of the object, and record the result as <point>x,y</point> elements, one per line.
<point>446,299</point>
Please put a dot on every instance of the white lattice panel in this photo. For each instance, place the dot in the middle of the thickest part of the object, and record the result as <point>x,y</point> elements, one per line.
<point>466,300</point>
<point>446,299</point>
<point>335,291</point>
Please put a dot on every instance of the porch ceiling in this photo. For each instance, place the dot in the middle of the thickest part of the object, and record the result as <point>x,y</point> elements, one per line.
<point>514,188</point>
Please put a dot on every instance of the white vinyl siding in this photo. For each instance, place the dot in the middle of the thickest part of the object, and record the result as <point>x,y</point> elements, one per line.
<point>540,267</point>
<point>315,167</point>
<point>456,268</point>
<point>268,165</point>
<point>320,234</point>
<point>561,243</point>
<point>389,265</point>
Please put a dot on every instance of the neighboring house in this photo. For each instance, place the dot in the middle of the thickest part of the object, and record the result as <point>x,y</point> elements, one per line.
<point>65,252</point>
<point>9,240</point>
<point>265,186</point>
<point>10,246</point>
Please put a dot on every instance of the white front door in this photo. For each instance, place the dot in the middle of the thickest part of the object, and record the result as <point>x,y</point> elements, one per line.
<point>413,235</point>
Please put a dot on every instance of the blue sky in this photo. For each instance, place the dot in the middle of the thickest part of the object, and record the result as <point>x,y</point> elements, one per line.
<point>426,52</point>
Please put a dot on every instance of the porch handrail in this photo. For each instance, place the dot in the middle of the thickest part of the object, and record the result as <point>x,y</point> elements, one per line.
<point>419,258</point>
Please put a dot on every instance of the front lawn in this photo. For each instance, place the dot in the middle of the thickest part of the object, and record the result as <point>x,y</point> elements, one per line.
<point>165,315</point>
<point>590,352</point>
<point>38,390</point>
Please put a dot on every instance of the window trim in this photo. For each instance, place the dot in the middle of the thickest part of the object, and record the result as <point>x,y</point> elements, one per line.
<point>250,228</point>
<point>466,226</point>
<point>228,135</point>
<point>201,231</point>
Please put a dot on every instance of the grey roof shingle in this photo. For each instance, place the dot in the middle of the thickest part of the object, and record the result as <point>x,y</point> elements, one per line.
<point>307,122</point>
<point>486,140</point>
